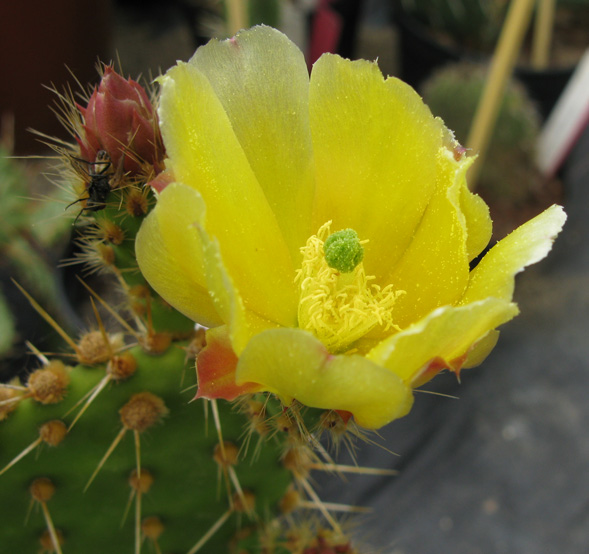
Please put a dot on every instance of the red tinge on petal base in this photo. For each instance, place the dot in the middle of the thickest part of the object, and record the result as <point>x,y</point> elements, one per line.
<point>161,181</point>
<point>434,366</point>
<point>215,368</point>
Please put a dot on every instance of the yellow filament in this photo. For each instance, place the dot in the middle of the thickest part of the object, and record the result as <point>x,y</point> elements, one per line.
<point>340,308</point>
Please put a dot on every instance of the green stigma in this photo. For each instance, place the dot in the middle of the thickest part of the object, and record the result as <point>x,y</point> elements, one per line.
<point>343,250</point>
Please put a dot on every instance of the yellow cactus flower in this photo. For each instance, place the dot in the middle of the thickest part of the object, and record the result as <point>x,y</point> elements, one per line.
<point>322,228</point>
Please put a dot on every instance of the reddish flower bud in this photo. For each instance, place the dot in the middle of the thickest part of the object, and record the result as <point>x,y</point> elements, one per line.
<point>121,119</point>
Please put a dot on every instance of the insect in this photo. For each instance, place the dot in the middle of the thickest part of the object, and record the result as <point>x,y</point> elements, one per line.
<point>99,186</point>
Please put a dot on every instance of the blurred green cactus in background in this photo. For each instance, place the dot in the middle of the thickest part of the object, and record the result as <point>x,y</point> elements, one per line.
<point>509,179</point>
<point>475,24</point>
<point>33,235</point>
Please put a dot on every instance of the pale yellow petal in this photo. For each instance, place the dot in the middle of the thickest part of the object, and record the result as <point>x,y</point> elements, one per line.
<point>206,155</point>
<point>375,145</point>
<point>447,333</point>
<point>169,253</point>
<point>243,324</point>
<point>479,227</point>
<point>528,244</point>
<point>262,82</point>
<point>479,352</point>
<point>433,271</point>
<point>294,364</point>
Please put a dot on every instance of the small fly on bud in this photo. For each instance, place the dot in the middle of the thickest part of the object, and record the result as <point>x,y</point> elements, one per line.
<point>99,186</point>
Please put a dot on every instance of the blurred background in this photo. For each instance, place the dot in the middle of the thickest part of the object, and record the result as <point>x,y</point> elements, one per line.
<point>505,469</point>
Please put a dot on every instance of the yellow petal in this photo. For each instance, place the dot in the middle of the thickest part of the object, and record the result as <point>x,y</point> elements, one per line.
<point>243,324</point>
<point>206,155</point>
<point>294,364</point>
<point>528,244</point>
<point>478,353</point>
<point>434,269</point>
<point>261,79</point>
<point>447,333</point>
<point>169,253</point>
<point>375,146</point>
<point>479,227</point>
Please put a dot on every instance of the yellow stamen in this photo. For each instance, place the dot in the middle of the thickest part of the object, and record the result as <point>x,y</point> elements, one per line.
<point>339,308</point>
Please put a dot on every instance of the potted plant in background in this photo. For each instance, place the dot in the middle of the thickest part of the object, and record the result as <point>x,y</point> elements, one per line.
<point>436,32</point>
<point>509,180</point>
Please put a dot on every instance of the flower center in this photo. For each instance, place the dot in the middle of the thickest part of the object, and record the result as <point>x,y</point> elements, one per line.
<point>343,250</point>
<point>338,304</point>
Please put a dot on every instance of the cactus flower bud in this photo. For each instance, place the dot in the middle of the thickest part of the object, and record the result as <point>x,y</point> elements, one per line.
<point>121,119</point>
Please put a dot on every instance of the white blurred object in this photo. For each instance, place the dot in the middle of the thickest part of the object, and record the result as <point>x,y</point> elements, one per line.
<point>566,122</point>
<point>294,20</point>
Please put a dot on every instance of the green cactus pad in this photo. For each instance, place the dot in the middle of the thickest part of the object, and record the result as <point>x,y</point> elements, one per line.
<point>186,494</point>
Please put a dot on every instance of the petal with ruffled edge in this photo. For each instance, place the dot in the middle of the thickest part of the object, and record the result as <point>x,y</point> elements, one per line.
<point>434,270</point>
<point>495,273</point>
<point>205,154</point>
<point>479,226</point>
<point>447,334</point>
<point>261,79</point>
<point>528,244</point>
<point>169,253</point>
<point>294,364</point>
<point>375,145</point>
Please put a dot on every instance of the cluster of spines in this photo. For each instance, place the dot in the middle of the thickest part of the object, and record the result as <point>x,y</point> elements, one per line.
<point>284,431</point>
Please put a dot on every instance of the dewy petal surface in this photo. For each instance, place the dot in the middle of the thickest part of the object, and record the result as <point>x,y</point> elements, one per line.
<point>494,276</point>
<point>479,226</point>
<point>294,364</point>
<point>169,253</point>
<point>447,333</point>
<point>243,324</point>
<point>375,146</point>
<point>434,270</point>
<point>261,79</point>
<point>206,155</point>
